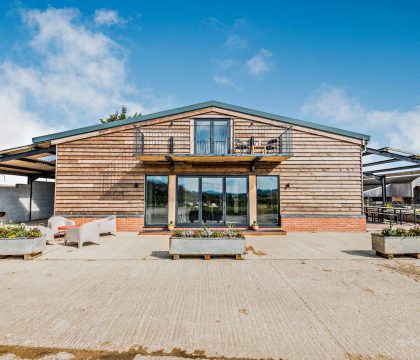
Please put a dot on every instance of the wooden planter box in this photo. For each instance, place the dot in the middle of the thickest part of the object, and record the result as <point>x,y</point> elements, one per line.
<point>28,248</point>
<point>388,246</point>
<point>206,247</point>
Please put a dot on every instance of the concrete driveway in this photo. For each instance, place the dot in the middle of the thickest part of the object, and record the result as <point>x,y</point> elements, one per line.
<point>300,296</point>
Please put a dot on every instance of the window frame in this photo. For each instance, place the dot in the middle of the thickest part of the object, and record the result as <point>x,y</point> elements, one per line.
<point>211,139</point>
<point>146,224</point>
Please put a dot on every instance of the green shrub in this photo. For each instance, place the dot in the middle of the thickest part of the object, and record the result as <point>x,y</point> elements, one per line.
<point>13,231</point>
<point>177,233</point>
<point>199,234</point>
<point>218,234</point>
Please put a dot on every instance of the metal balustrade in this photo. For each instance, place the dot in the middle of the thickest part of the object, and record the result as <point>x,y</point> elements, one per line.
<point>234,139</point>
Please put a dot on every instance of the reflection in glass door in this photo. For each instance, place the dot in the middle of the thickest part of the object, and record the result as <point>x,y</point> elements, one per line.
<point>236,200</point>
<point>156,200</point>
<point>187,200</point>
<point>267,200</point>
<point>212,200</point>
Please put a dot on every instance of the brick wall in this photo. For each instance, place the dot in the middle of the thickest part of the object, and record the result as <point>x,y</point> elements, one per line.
<point>319,224</point>
<point>123,223</point>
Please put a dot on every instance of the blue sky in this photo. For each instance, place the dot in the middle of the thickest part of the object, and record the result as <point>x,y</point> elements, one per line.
<point>353,65</point>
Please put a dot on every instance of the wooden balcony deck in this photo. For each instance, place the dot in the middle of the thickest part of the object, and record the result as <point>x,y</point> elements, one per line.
<point>234,158</point>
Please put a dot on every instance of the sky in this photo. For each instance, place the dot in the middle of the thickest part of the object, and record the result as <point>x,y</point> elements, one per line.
<point>349,64</point>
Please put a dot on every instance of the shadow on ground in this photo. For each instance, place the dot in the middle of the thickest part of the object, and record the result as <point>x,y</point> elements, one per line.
<point>364,253</point>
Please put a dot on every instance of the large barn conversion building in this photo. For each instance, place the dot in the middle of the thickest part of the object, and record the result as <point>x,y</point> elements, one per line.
<point>209,164</point>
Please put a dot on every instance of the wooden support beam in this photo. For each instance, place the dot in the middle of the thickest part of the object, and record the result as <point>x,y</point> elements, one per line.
<point>171,198</point>
<point>50,150</point>
<point>252,198</point>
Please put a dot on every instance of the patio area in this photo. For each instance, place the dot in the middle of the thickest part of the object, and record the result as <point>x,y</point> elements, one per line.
<point>300,296</point>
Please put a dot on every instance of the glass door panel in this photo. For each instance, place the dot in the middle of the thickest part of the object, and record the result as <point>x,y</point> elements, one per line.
<point>188,200</point>
<point>236,200</point>
<point>212,200</point>
<point>267,200</point>
<point>220,137</point>
<point>202,137</point>
<point>156,200</point>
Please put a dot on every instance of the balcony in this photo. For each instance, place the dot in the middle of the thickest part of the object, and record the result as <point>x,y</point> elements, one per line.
<point>243,142</point>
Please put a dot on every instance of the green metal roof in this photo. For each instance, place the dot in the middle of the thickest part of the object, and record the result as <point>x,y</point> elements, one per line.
<point>180,110</point>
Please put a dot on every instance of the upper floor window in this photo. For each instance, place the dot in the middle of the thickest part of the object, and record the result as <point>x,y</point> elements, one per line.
<point>212,136</point>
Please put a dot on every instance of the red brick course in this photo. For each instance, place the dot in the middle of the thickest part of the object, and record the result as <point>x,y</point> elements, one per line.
<point>319,224</point>
<point>135,224</point>
<point>298,224</point>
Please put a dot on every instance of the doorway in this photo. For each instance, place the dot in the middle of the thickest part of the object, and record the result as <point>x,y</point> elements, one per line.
<point>211,200</point>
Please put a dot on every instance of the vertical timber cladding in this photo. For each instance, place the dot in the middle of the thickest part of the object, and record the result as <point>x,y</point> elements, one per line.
<point>320,185</point>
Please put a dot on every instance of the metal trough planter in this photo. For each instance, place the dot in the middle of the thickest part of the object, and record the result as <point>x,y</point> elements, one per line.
<point>206,247</point>
<point>28,248</point>
<point>388,246</point>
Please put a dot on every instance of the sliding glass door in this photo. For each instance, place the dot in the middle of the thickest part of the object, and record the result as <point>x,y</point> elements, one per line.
<point>212,200</point>
<point>236,200</point>
<point>268,200</point>
<point>188,200</point>
<point>156,200</point>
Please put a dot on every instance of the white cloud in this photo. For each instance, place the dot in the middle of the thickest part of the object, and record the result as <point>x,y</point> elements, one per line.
<point>76,76</point>
<point>223,81</point>
<point>234,41</point>
<point>108,17</point>
<point>260,63</point>
<point>395,128</point>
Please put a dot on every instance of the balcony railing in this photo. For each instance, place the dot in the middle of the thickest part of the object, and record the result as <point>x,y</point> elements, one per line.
<point>242,140</point>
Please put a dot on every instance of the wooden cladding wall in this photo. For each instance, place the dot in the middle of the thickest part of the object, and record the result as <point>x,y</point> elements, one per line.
<point>100,175</point>
<point>323,177</point>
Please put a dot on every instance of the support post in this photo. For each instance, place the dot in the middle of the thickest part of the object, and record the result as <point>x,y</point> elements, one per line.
<point>252,198</point>
<point>383,183</point>
<point>171,198</point>
<point>30,181</point>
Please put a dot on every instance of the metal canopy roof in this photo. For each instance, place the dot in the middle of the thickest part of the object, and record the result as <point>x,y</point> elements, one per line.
<point>199,106</point>
<point>391,155</point>
<point>30,160</point>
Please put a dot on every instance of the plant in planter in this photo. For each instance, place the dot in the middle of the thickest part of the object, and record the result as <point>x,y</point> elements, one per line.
<point>21,240</point>
<point>255,226</point>
<point>171,226</point>
<point>397,241</point>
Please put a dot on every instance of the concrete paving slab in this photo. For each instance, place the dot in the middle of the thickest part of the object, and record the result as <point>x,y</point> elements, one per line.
<point>313,296</point>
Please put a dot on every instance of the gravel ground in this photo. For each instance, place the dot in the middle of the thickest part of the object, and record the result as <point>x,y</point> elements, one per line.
<point>300,296</point>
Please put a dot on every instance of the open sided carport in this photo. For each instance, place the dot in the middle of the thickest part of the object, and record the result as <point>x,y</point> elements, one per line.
<point>32,161</point>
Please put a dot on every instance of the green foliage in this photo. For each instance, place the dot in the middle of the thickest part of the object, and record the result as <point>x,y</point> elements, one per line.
<point>388,204</point>
<point>118,116</point>
<point>218,234</point>
<point>199,234</point>
<point>177,233</point>
<point>13,231</point>
<point>401,232</point>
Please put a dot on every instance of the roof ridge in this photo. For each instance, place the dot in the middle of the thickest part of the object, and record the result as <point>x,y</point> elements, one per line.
<point>197,106</point>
